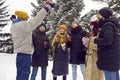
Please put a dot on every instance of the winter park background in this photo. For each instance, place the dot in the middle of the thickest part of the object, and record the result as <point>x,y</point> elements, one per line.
<point>65,12</point>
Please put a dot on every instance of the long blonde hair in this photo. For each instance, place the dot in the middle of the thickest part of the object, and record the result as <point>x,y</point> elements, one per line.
<point>63,38</point>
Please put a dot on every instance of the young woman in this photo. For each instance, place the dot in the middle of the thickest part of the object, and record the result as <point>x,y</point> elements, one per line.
<point>77,49</point>
<point>40,55</point>
<point>91,71</point>
<point>60,63</point>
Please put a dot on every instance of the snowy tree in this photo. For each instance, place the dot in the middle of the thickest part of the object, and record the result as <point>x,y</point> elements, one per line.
<point>68,11</point>
<point>37,7</point>
<point>65,12</point>
<point>4,14</point>
<point>87,18</point>
<point>113,4</point>
<point>6,43</point>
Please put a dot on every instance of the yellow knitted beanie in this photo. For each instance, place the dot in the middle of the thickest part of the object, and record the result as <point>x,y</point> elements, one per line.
<point>22,14</point>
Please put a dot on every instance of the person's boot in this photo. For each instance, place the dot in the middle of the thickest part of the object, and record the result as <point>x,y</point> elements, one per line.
<point>54,78</point>
<point>64,77</point>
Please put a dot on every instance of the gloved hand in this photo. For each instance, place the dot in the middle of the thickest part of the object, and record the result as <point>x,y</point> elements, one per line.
<point>49,5</point>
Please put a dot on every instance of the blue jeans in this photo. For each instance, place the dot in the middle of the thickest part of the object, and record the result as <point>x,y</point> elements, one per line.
<point>74,70</point>
<point>43,73</point>
<point>23,63</point>
<point>111,75</point>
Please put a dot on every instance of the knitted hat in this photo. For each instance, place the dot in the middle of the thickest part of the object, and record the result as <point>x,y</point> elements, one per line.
<point>95,24</point>
<point>22,14</point>
<point>63,27</point>
<point>105,12</point>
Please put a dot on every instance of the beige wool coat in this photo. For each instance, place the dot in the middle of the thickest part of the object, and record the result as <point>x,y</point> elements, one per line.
<point>91,70</point>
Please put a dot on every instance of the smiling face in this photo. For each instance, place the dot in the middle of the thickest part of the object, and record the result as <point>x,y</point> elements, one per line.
<point>62,31</point>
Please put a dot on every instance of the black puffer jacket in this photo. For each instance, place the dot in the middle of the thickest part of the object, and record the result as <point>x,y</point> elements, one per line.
<point>77,52</point>
<point>40,55</point>
<point>108,47</point>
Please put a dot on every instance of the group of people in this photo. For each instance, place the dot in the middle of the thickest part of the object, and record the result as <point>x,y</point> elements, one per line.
<point>96,52</point>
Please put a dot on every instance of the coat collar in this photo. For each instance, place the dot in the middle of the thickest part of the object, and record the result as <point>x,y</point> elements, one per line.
<point>17,20</point>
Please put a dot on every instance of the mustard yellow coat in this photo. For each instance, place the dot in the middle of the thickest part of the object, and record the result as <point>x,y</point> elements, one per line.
<point>91,70</point>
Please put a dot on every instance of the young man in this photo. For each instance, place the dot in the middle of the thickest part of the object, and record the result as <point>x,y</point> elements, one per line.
<point>108,47</point>
<point>21,30</point>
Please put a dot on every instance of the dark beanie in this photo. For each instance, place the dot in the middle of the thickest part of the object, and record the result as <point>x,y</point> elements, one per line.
<point>105,12</point>
<point>42,24</point>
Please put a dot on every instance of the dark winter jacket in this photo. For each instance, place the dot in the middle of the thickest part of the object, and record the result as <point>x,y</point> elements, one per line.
<point>60,63</point>
<point>108,47</point>
<point>77,49</point>
<point>40,55</point>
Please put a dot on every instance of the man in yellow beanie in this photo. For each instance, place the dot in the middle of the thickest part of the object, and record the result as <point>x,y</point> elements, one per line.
<point>21,30</point>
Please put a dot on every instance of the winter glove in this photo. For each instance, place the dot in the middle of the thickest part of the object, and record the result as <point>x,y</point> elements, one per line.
<point>49,5</point>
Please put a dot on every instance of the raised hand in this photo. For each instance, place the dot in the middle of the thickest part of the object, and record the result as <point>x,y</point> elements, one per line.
<point>49,5</point>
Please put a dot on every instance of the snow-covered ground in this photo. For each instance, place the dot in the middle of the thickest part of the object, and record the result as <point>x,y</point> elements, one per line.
<point>8,69</point>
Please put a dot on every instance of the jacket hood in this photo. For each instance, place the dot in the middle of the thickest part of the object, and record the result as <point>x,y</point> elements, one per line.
<point>114,20</point>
